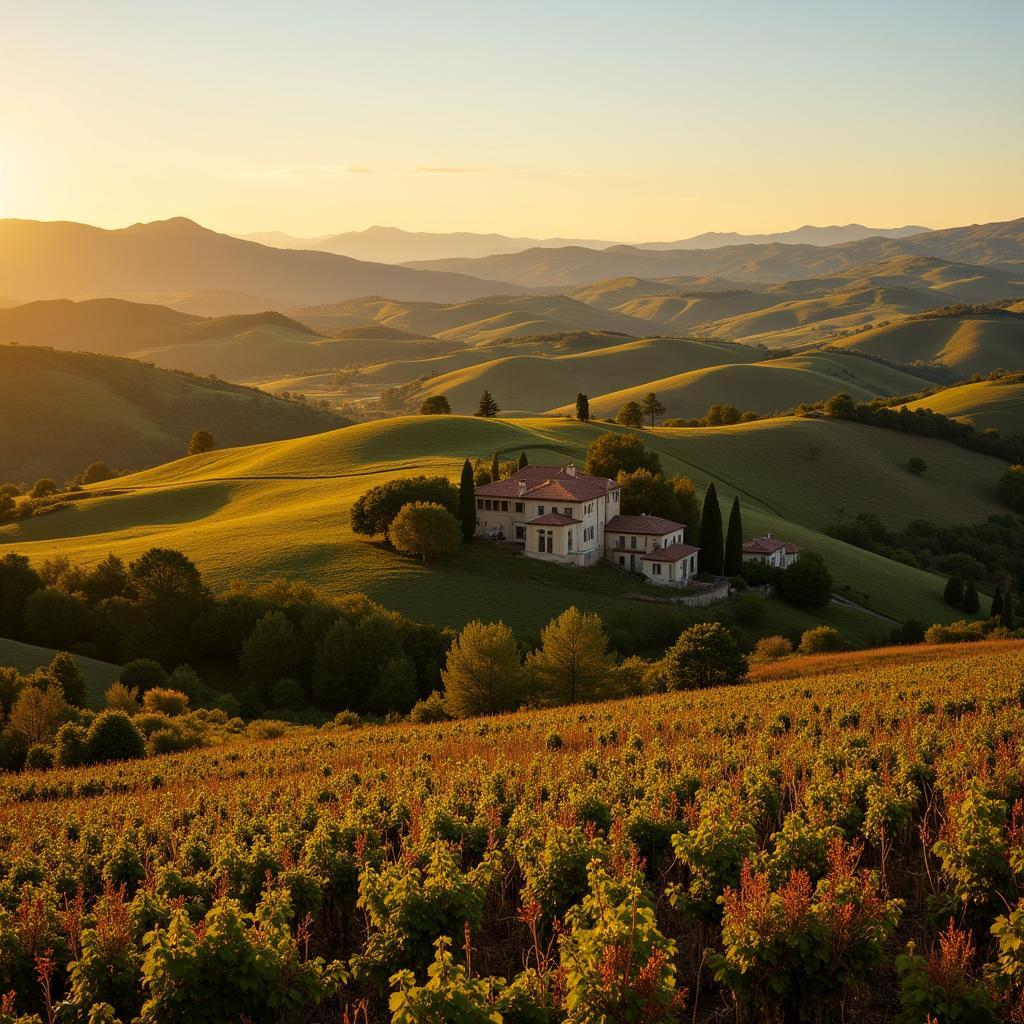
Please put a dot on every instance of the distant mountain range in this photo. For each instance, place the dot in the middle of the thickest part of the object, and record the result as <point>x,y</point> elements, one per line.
<point>177,261</point>
<point>393,245</point>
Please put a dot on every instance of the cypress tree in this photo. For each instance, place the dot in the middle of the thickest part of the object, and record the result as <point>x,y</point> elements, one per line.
<point>1008,619</point>
<point>523,460</point>
<point>997,604</point>
<point>954,592</point>
<point>734,541</point>
<point>971,603</point>
<point>712,555</point>
<point>467,502</point>
<point>582,407</point>
<point>495,467</point>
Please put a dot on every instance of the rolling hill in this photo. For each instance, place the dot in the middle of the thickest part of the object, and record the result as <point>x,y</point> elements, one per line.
<point>967,344</point>
<point>795,477</point>
<point>997,404</point>
<point>764,387</point>
<point>58,259</point>
<point>26,658</point>
<point>61,411</point>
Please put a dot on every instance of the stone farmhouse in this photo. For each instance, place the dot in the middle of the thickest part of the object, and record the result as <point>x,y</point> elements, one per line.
<point>769,551</point>
<point>561,515</point>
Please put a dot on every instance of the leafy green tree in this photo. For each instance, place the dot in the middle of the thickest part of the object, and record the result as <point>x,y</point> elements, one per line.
<point>652,406</point>
<point>425,529</point>
<point>573,663</point>
<point>395,690</point>
<point>65,670</point>
<point>70,748</point>
<point>630,415</point>
<point>841,406</point>
<point>971,602</point>
<point>612,454</point>
<point>202,441</point>
<point>349,658</point>
<point>272,651</point>
<point>114,737</point>
<point>820,640</point>
<point>954,592</point>
<point>688,505</point>
<point>1011,488</point>
<point>523,460</point>
<point>6,506</point>
<point>37,713</point>
<point>734,541</point>
<point>582,407</point>
<point>495,467</point>
<point>97,472</point>
<point>436,405</point>
<point>54,618</point>
<point>704,655</point>
<point>467,502</point>
<point>483,674</point>
<point>143,674</point>
<point>807,583</point>
<point>42,488</point>
<point>487,406</point>
<point>722,415</point>
<point>108,579</point>
<point>712,548</point>
<point>374,511</point>
<point>168,586</point>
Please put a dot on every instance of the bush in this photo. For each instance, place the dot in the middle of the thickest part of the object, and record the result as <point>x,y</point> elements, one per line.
<point>430,709</point>
<point>144,674</point>
<point>374,511</point>
<point>771,648</point>
<point>119,697</point>
<point>54,618</point>
<point>39,756</point>
<point>820,640</point>
<point>425,529</point>
<point>612,454</point>
<point>955,632</point>
<point>288,694</point>
<point>1011,488</point>
<point>164,701</point>
<point>114,737</point>
<point>70,746</point>
<point>807,583</point>
<point>704,655</point>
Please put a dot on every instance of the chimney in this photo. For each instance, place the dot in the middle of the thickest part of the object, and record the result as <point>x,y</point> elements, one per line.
<point>522,487</point>
<point>570,471</point>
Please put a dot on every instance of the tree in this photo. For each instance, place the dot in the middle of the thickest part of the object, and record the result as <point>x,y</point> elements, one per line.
<point>971,602</point>
<point>916,465</point>
<point>495,467</point>
<point>997,604</point>
<point>436,405</point>
<point>113,736</point>
<point>630,415</point>
<point>820,640</point>
<point>375,510</point>
<point>523,460</point>
<point>582,407</point>
<point>652,406</point>
<point>734,541</point>
<point>42,488</point>
<point>467,502</point>
<point>483,674</point>
<point>272,651</point>
<point>396,687</point>
<point>712,550</point>
<point>1011,488</point>
<point>573,663</point>
<point>168,586</point>
<point>6,506</point>
<point>687,504</point>
<point>202,441</point>
<point>807,583</point>
<point>425,529</point>
<point>487,406</point>
<point>18,580</point>
<point>1007,618</point>
<point>612,454</point>
<point>54,618</point>
<point>143,674</point>
<point>722,415</point>
<point>38,713</point>
<point>96,473</point>
<point>65,670</point>
<point>108,579</point>
<point>954,592</point>
<point>704,655</point>
<point>841,406</point>
<point>122,698</point>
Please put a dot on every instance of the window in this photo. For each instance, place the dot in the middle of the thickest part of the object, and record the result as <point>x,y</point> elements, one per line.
<point>540,510</point>
<point>520,507</point>
<point>479,502</point>
<point>657,568</point>
<point>504,506</point>
<point>567,511</point>
<point>520,533</point>
<point>622,560</point>
<point>632,542</point>
<point>569,543</point>
<point>487,504</point>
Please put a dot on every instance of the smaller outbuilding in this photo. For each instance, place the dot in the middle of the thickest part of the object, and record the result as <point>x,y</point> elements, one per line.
<point>769,550</point>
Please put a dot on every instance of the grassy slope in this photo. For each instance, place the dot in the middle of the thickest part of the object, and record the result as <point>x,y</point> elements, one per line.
<point>967,344</point>
<point>99,675</point>
<point>282,509</point>
<point>989,403</point>
<point>764,387</point>
<point>64,410</point>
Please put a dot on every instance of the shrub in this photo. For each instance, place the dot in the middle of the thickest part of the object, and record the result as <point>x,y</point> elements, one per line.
<point>113,737</point>
<point>704,655</point>
<point>807,583</point>
<point>955,632</point>
<point>39,756</point>
<point>287,693</point>
<point>1011,488</point>
<point>916,465</point>
<point>612,454</point>
<point>54,618</point>
<point>143,674</point>
<point>70,749</point>
<point>430,709</point>
<point>374,511</point>
<point>483,674</point>
<point>771,648</point>
<point>435,405</point>
<point>164,701</point>
<point>119,697</point>
<point>820,640</point>
<point>65,670</point>
<point>425,529</point>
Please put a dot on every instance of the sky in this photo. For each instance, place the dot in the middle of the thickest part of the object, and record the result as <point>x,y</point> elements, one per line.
<point>627,121</point>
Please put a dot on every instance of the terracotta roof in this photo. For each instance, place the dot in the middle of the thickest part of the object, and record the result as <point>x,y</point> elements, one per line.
<point>553,519</point>
<point>652,525</point>
<point>672,553</point>
<point>762,546</point>
<point>549,483</point>
<point>793,549</point>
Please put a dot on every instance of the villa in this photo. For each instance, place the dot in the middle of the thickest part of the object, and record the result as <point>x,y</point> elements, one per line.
<point>561,515</point>
<point>769,551</point>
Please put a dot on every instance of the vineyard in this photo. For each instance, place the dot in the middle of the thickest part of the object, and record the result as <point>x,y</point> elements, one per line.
<point>840,843</point>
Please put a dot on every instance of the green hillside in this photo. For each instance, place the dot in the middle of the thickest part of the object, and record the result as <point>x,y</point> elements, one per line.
<point>968,344</point>
<point>997,404</point>
<point>61,411</point>
<point>764,387</point>
<point>99,675</point>
<point>237,511</point>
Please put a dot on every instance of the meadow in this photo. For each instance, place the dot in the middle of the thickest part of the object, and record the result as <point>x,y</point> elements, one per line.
<point>763,852</point>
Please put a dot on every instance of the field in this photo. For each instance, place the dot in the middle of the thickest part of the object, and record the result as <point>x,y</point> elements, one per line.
<point>742,844</point>
<point>990,404</point>
<point>282,509</point>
